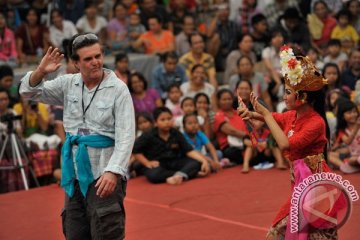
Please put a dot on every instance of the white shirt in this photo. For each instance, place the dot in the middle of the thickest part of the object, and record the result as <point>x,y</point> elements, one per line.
<point>57,36</point>
<point>83,24</point>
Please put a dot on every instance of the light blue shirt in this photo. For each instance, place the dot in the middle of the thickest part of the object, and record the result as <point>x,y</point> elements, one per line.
<point>110,114</point>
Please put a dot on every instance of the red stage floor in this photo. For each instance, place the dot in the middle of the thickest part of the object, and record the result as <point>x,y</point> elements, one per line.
<point>227,205</point>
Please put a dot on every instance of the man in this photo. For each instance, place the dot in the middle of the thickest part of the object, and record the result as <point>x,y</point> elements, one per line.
<point>352,73</point>
<point>99,121</point>
<point>150,8</point>
<point>182,39</point>
<point>156,40</point>
<point>168,73</point>
<point>198,56</point>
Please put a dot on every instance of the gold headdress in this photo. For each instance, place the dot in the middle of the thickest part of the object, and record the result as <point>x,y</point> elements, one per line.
<point>299,72</point>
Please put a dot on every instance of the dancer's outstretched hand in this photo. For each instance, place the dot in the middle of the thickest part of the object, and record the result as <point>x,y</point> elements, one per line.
<point>51,61</point>
<point>258,107</point>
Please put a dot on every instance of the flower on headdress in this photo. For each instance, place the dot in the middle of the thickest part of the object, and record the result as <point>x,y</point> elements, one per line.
<point>290,66</point>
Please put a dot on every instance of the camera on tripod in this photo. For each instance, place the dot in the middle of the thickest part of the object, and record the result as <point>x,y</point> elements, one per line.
<point>9,118</point>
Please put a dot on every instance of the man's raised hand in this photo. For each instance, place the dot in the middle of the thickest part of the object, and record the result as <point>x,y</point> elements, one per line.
<point>51,61</point>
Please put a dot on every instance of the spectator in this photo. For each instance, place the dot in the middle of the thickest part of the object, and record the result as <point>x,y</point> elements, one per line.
<point>259,34</point>
<point>149,8</point>
<point>182,39</point>
<point>277,8</point>
<point>352,73</point>
<point>60,29</point>
<point>197,55</point>
<point>91,22</point>
<point>204,109</point>
<point>166,154</point>
<point>173,100</point>
<point>105,8</point>
<point>73,9</point>
<point>117,29</point>
<point>8,53</point>
<point>179,12</point>
<point>334,6</point>
<point>243,89</point>
<point>156,40</point>
<point>245,49</point>
<point>271,58</point>
<point>197,83</point>
<point>6,82</point>
<point>335,55</point>
<point>320,24</point>
<point>35,117</point>
<point>345,32</point>
<point>122,67</point>
<point>5,109</point>
<point>331,72</point>
<point>131,6</point>
<point>200,142</point>
<point>168,73</point>
<point>32,39</point>
<point>244,14</point>
<point>246,72</point>
<point>135,30</point>
<point>315,58</point>
<point>226,31</point>
<point>294,29</point>
<point>145,100</point>
<point>354,7</point>
<point>229,128</point>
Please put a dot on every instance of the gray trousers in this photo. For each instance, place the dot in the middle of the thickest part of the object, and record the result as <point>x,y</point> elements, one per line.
<point>94,217</point>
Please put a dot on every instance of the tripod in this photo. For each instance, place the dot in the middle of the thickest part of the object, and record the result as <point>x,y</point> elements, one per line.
<point>17,152</point>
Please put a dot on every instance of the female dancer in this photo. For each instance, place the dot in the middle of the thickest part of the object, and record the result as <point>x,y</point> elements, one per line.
<point>301,134</point>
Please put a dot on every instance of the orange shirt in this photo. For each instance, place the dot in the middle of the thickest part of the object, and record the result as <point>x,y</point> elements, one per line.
<point>155,44</point>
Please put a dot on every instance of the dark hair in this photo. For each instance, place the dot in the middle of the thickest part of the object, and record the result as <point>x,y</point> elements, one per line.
<point>186,99</point>
<point>55,10</point>
<point>5,91</point>
<point>173,85</point>
<point>118,3</point>
<point>275,33</point>
<point>241,81</point>
<point>6,70</point>
<point>334,42</point>
<point>157,17</point>
<point>159,110</point>
<point>201,94</point>
<point>291,13</point>
<point>171,55</point>
<point>188,115</point>
<point>328,95</point>
<point>84,43</point>
<point>141,78</point>
<point>193,35</point>
<point>321,2</point>
<point>223,91</point>
<point>36,13</point>
<point>145,115</point>
<point>121,56</point>
<point>241,38</point>
<point>334,65</point>
<point>196,66</point>
<point>344,12</point>
<point>257,18</point>
<point>244,57</point>
<point>343,105</point>
<point>317,100</point>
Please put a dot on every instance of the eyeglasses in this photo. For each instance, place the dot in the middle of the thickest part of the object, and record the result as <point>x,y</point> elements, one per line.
<point>79,39</point>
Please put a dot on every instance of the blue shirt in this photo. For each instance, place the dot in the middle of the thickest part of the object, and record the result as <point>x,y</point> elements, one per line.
<point>161,79</point>
<point>200,140</point>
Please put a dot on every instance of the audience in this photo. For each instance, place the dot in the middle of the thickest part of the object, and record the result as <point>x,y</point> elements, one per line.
<point>8,52</point>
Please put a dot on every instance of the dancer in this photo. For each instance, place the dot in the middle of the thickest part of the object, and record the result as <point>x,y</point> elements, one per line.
<point>301,133</point>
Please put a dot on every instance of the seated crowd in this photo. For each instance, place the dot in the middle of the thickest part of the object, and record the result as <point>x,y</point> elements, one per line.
<point>211,52</point>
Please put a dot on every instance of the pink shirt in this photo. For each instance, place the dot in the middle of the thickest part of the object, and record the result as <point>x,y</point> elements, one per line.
<point>7,45</point>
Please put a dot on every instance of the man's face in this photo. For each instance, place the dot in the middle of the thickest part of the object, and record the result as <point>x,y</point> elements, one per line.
<point>189,25</point>
<point>354,60</point>
<point>291,23</point>
<point>197,44</point>
<point>154,25</point>
<point>149,5</point>
<point>90,62</point>
<point>170,64</point>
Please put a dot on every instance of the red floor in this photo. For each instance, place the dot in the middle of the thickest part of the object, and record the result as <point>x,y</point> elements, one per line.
<point>227,205</point>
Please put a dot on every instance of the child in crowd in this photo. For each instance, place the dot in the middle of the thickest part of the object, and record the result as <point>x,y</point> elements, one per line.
<point>335,55</point>
<point>204,109</point>
<point>345,153</point>
<point>315,58</point>
<point>166,154</point>
<point>135,29</point>
<point>345,32</point>
<point>122,67</point>
<point>174,99</point>
<point>187,106</point>
<point>262,155</point>
<point>331,108</point>
<point>201,143</point>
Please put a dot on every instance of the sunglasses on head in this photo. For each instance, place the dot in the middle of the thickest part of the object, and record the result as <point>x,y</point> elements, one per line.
<point>79,39</point>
